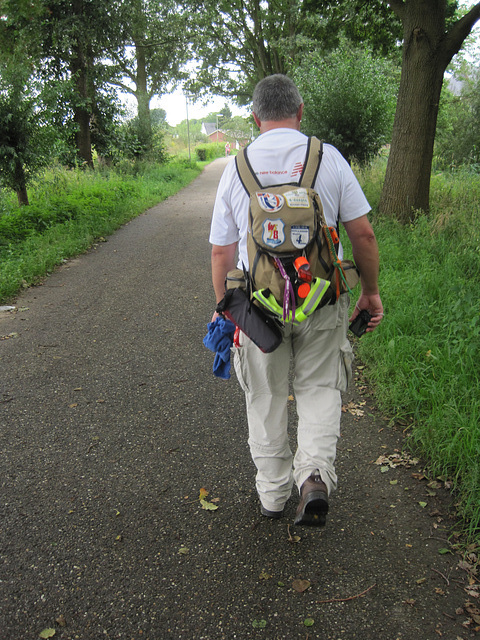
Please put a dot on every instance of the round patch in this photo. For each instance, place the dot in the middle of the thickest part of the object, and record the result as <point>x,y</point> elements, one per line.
<point>270,202</point>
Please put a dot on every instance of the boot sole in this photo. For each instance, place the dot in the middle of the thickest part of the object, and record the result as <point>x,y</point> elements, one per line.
<point>314,511</point>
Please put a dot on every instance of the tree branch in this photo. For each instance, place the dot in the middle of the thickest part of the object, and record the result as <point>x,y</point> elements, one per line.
<point>460,30</point>
<point>124,87</point>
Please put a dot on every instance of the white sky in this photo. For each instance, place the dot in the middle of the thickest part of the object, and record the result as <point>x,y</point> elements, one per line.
<point>176,108</point>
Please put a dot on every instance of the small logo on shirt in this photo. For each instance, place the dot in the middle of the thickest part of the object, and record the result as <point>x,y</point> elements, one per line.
<point>297,170</point>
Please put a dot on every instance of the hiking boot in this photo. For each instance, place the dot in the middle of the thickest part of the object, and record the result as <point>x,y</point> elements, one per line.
<point>313,506</point>
<point>270,514</point>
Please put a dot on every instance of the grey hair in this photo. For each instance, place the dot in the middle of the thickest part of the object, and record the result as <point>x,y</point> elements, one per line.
<point>276,98</point>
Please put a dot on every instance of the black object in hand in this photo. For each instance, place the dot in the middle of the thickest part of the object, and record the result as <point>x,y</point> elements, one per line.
<point>360,324</point>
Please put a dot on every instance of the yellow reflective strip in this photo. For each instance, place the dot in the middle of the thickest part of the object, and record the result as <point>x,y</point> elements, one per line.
<point>313,299</point>
<point>269,302</point>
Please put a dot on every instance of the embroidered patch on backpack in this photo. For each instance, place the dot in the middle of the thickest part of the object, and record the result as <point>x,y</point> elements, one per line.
<point>297,198</point>
<point>300,236</point>
<point>270,202</point>
<point>273,234</point>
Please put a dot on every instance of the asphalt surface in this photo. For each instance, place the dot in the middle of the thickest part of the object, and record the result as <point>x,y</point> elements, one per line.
<point>111,425</point>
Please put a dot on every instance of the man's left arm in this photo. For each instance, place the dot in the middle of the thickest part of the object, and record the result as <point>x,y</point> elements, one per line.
<point>365,254</point>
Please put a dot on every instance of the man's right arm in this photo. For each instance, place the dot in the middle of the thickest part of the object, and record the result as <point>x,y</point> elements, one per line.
<point>223,261</point>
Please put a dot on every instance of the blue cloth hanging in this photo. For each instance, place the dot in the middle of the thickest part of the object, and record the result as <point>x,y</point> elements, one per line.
<point>219,339</point>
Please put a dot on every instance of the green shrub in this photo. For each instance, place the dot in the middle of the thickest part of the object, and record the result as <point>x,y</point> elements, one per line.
<point>350,99</point>
<point>210,151</point>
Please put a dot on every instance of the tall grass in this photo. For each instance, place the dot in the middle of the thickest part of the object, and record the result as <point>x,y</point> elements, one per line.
<point>70,209</point>
<point>424,358</point>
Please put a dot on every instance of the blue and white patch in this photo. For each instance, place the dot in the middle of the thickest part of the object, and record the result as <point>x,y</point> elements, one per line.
<point>299,236</point>
<point>270,202</point>
<point>273,234</point>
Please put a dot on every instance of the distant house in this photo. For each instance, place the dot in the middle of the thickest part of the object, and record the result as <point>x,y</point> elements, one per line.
<point>236,140</point>
<point>210,130</point>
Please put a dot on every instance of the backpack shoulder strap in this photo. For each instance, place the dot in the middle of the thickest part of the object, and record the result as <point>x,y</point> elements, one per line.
<point>311,166</point>
<point>245,172</point>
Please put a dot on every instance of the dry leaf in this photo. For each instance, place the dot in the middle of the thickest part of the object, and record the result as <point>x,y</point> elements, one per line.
<point>300,585</point>
<point>61,621</point>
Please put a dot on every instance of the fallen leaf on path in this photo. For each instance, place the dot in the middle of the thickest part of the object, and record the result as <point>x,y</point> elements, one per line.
<point>47,633</point>
<point>395,460</point>
<point>291,538</point>
<point>208,505</point>
<point>300,585</point>
<point>354,408</point>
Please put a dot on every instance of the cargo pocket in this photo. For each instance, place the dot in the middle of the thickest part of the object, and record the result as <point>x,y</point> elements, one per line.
<point>240,370</point>
<point>345,366</point>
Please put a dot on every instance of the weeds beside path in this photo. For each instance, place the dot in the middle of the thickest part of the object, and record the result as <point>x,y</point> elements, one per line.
<point>113,423</point>
<point>70,210</point>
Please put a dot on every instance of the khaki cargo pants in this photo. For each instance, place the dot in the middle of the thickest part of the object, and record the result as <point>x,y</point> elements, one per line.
<point>322,359</point>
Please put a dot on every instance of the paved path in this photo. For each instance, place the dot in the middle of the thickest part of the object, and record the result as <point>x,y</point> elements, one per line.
<point>112,423</point>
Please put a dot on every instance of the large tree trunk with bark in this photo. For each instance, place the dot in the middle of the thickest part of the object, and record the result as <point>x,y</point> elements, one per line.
<point>82,117</point>
<point>82,110</point>
<point>427,50</point>
<point>407,181</point>
<point>143,99</point>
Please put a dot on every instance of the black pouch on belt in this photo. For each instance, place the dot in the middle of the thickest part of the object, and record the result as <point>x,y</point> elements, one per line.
<point>259,327</point>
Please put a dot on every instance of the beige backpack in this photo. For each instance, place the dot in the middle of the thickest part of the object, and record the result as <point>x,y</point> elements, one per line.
<point>294,267</point>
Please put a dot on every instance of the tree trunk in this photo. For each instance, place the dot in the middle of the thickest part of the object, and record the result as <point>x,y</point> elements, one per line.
<point>407,181</point>
<point>82,110</point>
<point>20,184</point>
<point>143,99</point>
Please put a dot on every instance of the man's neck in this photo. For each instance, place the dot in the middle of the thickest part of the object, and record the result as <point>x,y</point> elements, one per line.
<point>289,123</point>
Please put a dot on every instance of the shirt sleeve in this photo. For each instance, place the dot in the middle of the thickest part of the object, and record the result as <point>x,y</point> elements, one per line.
<point>341,194</point>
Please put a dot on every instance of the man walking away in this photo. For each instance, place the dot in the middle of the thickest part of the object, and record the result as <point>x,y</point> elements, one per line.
<point>319,347</point>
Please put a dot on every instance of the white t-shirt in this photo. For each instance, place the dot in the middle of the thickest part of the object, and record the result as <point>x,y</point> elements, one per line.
<point>277,157</point>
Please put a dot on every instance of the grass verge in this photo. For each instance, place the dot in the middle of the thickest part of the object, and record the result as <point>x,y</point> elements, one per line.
<point>423,360</point>
<point>70,209</point>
